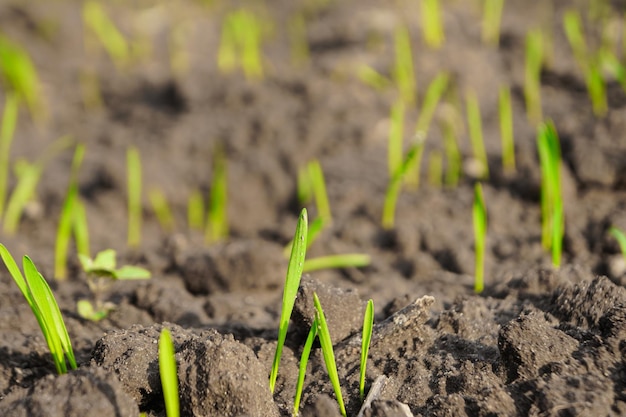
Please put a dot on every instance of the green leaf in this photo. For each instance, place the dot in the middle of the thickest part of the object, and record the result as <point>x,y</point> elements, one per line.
<point>348,260</point>
<point>105,260</point>
<point>129,272</point>
<point>168,373</point>
<point>304,359</point>
<point>368,325</point>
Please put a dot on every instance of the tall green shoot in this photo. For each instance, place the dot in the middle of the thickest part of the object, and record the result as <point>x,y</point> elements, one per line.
<point>395,185</point>
<point>346,260</point>
<point>113,41</point>
<point>506,130</point>
<point>435,168</point>
<point>328,352</point>
<point>292,282</point>
<point>195,211</point>
<point>451,149</point>
<point>552,216</point>
<point>432,26</point>
<point>532,76</point>
<point>474,121</point>
<point>318,184</point>
<point>168,374</point>
<point>479,216</point>
<point>403,72</point>
<point>217,216</point>
<point>133,173</point>
<point>492,16</point>
<point>9,120</point>
<point>304,359</point>
<point>240,44</point>
<point>45,308</point>
<point>368,325</point>
<point>396,134</point>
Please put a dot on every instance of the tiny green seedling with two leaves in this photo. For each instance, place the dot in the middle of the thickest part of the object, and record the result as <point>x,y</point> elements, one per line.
<point>101,272</point>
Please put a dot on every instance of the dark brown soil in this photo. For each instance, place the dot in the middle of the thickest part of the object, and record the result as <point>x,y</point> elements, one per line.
<point>537,342</point>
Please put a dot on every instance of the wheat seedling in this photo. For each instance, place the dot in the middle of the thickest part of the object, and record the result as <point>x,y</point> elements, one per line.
<point>168,374</point>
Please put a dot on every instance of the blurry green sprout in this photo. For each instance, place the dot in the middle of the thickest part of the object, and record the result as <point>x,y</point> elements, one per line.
<point>432,26</point>
<point>328,352</point>
<point>133,172</point>
<point>304,359</point>
<point>474,121</point>
<point>435,169</point>
<point>506,130</point>
<point>395,185</point>
<point>348,260</point>
<point>620,237</point>
<point>479,215</point>
<point>318,184</point>
<point>45,308</point>
<point>9,120</point>
<point>20,77</point>
<point>492,15</point>
<point>403,72</point>
<point>368,325</point>
<point>532,76</point>
<point>552,216</point>
<point>217,216</point>
<point>451,149</point>
<point>101,272</point>
<point>195,211</point>
<point>372,78</point>
<point>240,45</point>
<point>161,209</point>
<point>96,19</point>
<point>292,282</point>
<point>396,134</point>
<point>168,374</point>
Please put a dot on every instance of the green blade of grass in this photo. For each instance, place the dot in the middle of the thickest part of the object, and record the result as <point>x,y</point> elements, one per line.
<point>195,211</point>
<point>432,27</point>
<point>133,171</point>
<point>620,237</point>
<point>81,228</point>
<point>314,230</point>
<point>161,209</point>
<point>318,185</point>
<point>292,282</point>
<point>304,359</point>
<point>403,73</point>
<point>107,33</point>
<point>348,260</point>
<point>369,76</point>
<point>368,325</point>
<point>395,184</point>
<point>435,168</point>
<point>328,352</point>
<point>506,130</point>
<point>9,121</point>
<point>396,134</point>
<point>453,154</point>
<point>479,216</point>
<point>217,217</point>
<point>492,16</point>
<point>24,191</point>
<point>168,373</point>
<point>434,92</point>
<point>474,121</point>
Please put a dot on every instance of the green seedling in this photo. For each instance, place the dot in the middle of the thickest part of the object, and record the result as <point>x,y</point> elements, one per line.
<point>435,169</point>
<point>109,36</point>
<point>432,26</point>
<point>27,178</point>
<point>304,359</point>
<point>552,216</point>
<point>369,76</point>
<point>304,186</point>
<point>81,228</point>
<point>403,73</point>
<point>20,76</point>
<point>348,260</point>
<point>161,209</point>
<point>241,41</point>
<point>168,374</point>
<point>492,16</point>
<point>395,185</point>
<point>479,215</point>
<point>328,352</point>
<point>67,219</point>
<point>434,92</point>
<point>368,325</point>
<point>9,120</point>
<point>45,308</point>
<point>300,54</point>
<point>620,237</point>
<point>318,184</point>
<point>133,172</point>
<point>292,282</point>
<point>532,75</point>
<point>451,149</point>
<point>217,216</point>
<point>589,65</point>
<point>474,121</point>
<point>314,230</point>
<point>195,211</point>
<point>396,135</point>
<point>506,130</point>
<point>101,272</point>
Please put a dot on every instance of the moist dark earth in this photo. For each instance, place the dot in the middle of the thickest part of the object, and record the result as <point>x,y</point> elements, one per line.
<point>539,341</point>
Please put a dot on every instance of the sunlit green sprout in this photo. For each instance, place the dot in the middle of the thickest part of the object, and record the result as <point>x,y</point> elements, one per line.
<point>133,173</point>
<point>168,374</point>
<point>318,184</point>
<point>506,130</point>
<point>432,26</point>
<point>373,78</point>
<point>217,216</point>
<point>620,237</point>
<point>451,148</point>
<point>9,120</point>
<point>195,211</point>
<point>97,20</point>
<point>20,76</point>
<point>242,35</point>
<point>161,209</point>
<point>403,72</point>
<point>395,185</point>
<point>67,218</point>
<point>532,75</point>
<point>304,359</point>
<point>346,260</point>
<point>492,16</point>
<point>474,121</point>
<point>328,352</point>
<point>396,135</point>
<point>368,325</point>
<point>101,272</point>
<point>41,301</point>
<point>552,216</point>
<point>292,282</point>
<point>479,216</point>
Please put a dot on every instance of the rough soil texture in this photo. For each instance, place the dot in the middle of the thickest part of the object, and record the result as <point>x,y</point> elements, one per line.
<point>537,342</point>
